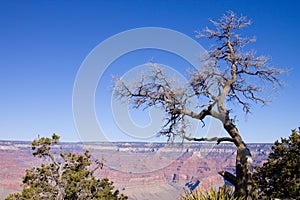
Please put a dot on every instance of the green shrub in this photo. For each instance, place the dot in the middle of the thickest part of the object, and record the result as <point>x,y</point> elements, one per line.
<point>224,193</point>
<point>64,176</point>
<point>279,177</point>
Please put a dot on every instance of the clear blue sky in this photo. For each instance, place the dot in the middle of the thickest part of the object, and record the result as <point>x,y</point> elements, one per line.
<point>43,43</point>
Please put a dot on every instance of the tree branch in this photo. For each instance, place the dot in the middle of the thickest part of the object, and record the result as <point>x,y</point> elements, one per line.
<point>217,139</point>
<point>228,177</point>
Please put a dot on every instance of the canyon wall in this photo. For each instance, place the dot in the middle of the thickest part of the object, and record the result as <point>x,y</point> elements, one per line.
<point>139,170</point>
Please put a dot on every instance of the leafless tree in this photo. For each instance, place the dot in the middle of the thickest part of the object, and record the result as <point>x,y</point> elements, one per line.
<point>227,77</point>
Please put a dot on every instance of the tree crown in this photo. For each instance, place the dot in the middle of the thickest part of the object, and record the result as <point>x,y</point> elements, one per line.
<point>226,74</point>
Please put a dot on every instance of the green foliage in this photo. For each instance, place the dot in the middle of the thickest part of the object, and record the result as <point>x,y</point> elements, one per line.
<point>224,193</point>
<point>279,177</point>
<point>64,176</point>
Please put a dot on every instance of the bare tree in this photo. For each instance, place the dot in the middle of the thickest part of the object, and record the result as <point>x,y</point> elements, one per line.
<point>227,77</point>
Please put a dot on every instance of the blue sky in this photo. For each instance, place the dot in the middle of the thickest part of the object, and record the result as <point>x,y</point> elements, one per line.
<point>43,43</point>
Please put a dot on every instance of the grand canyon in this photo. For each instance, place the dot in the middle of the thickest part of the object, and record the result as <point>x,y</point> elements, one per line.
<point>139,170</point>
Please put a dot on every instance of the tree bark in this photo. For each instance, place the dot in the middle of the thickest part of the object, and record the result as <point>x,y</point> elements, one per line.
<point>243,185</point>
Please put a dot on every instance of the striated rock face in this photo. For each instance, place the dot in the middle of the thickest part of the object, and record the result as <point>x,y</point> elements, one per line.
<point>139,170</point>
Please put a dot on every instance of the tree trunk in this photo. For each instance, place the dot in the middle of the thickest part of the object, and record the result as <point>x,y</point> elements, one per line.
<point>60,195</point>
<point>243,185</point>
<point>243,172</point>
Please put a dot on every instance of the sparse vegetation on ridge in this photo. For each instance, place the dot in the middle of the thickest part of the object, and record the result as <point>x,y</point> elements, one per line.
<point>64,175</point>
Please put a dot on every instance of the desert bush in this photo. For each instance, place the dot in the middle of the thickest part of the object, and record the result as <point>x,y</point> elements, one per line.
<point>223,193</point>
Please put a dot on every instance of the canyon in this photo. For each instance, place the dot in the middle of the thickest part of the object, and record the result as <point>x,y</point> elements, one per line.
<point>139,170</point>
